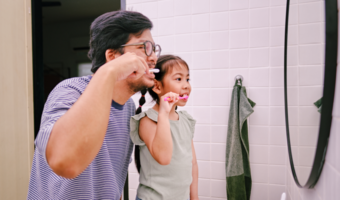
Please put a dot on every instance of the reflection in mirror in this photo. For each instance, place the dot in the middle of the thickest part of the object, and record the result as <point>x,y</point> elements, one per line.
<point>305,72</point>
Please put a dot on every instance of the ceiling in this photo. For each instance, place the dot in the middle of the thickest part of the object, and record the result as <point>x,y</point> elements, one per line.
<point>72,10</point>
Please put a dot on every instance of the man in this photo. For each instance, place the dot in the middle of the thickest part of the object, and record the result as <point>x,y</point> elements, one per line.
<point>83,145</point>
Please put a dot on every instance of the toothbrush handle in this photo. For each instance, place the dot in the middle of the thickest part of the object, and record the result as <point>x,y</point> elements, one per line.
<point>167,98</point>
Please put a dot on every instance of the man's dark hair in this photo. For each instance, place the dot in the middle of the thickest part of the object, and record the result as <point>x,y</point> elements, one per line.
<point>113,29</point>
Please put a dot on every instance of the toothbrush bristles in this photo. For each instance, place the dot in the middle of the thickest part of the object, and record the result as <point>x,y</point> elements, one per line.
<point>154,70</point>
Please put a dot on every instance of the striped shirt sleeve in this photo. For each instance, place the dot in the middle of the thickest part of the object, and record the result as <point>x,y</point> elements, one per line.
<point>58,103</point>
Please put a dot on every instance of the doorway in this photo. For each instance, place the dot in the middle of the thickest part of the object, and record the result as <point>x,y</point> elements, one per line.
<point>60,41</point>
<point>60,31</point>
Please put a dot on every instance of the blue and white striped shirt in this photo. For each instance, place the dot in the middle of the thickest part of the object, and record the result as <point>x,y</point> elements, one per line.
<point>104,178</point>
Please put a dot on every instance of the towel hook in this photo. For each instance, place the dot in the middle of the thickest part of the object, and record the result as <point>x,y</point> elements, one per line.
<point>239,78</point>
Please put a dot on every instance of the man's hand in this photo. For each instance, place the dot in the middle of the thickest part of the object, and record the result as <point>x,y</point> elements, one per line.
<point>77,136</point>
<point>128,65</point>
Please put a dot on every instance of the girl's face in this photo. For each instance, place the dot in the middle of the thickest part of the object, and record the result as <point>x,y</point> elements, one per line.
<point>177,81</point>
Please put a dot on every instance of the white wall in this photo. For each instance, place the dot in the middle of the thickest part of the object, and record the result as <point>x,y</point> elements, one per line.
<point>16,102</point>
<point>220,39</point>
<point>328,185</point>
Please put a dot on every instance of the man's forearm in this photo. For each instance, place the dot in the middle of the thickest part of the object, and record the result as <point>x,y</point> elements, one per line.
<point>77,136</point>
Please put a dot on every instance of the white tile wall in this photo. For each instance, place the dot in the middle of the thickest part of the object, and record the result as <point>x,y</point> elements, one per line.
<point>219,59</point>
<point>239,39</point>
<point>165,8</point>
<point>306,9</point>
<point>239,19</point>
<point>183,24</point>
<point>221,39</point>
<point>258,3</point>
<point>259,37</point>
<point>183,43</point>
<point>219,96</point>
<point>165,26</point>
<point>219,21</point>
<point>217,170</point>
<point>218,133</point>
<point>218,78</point>
<point>218,188</point>
<point>182,7</point>
<point>259,95</point>
<point>239,58</point>
<point>277,16</point>
<point>219,5</point>
<point>277,36</point>
<point>204,166</point>
<point>259,18</point>
<point>200,6</point>
<point>201,41</point>
<point>200,23</point>
<point>259,57</point>
<point>310,54</point>
<point>238,5</point>
<point>310,33</point>
<point>259,191</point>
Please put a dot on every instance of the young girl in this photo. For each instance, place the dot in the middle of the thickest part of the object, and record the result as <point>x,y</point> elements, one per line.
<point>164,154</point>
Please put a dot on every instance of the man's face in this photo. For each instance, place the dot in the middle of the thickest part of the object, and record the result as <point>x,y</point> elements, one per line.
<point>145,81</point>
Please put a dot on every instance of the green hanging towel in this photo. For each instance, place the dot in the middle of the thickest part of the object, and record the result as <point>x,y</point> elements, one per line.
<point>318,104</point>
<point>237,164</point>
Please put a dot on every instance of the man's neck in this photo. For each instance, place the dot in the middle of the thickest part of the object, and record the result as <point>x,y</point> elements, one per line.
<point>121,92</point>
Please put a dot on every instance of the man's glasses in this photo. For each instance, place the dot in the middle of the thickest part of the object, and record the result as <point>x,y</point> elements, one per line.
<point>149,47</point>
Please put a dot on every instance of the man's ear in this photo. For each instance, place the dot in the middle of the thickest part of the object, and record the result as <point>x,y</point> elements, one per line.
<point>111,54</point>
<point>157,87</point>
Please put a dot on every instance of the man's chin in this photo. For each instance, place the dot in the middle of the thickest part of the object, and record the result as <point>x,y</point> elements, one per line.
<point>150,84</point>
<point>145,84</point>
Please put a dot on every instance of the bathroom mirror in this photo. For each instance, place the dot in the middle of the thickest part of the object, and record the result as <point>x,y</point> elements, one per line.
<point>310,60</point>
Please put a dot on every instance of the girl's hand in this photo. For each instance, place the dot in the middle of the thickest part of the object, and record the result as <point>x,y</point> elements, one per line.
<point>166,106</point>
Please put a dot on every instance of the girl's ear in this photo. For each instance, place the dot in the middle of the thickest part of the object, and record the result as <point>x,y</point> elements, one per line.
<point>157,88</point>
<point>111,54</point>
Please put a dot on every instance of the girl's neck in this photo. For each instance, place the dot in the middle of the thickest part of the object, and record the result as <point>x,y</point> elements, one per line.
<point>172,115</point>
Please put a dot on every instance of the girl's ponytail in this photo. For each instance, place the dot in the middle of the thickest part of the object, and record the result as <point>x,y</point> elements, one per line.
<point>139,110</point>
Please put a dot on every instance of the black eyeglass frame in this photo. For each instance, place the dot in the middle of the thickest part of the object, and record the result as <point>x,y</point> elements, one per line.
<point>144,44</point>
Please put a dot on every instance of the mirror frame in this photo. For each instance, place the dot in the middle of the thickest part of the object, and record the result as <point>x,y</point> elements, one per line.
<point>331,49</point>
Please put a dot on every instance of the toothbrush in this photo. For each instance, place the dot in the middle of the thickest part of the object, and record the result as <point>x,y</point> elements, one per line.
<point>168,98</point>
<point>154,70</point>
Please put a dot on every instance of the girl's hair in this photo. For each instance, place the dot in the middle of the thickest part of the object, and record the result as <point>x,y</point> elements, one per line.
<point>165,64</point>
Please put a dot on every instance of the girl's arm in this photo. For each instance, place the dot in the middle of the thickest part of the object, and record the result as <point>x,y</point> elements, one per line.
<point>157,136</point>
<point>194,184</point>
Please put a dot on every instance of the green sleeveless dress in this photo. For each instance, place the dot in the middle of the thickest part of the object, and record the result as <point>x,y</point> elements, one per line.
<point>166,182</point>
